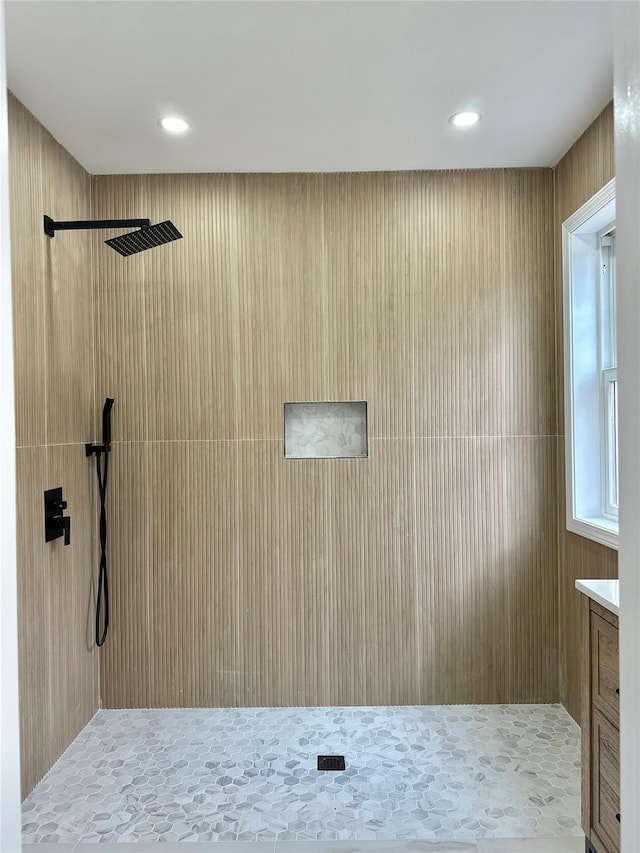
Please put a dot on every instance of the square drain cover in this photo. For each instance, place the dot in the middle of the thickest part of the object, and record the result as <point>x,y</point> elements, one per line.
<point>331,762</point>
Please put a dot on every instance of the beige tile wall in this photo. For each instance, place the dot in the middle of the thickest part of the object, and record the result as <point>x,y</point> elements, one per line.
<point>585,168</point>
<point>427,573</point>
<point>53,320</point>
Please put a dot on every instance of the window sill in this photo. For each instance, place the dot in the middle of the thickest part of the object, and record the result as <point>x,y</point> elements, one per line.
<point>598,529</point>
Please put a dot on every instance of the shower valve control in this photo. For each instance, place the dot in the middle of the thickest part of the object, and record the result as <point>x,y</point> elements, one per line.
<point>56,524</point>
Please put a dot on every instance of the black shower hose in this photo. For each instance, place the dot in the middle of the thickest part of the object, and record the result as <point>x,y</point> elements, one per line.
<point>103,580</point>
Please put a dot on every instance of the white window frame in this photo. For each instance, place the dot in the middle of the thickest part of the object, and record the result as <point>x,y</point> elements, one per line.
<point>589,335</point>
<point>610,444</point>
<point>609,368</point>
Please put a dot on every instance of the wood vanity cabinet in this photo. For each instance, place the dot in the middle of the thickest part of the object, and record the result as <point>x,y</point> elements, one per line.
<point>601,732</point>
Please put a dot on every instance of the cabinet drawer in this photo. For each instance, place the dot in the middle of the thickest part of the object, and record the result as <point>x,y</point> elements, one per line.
<point>605,780</point>
<point>604,667</point>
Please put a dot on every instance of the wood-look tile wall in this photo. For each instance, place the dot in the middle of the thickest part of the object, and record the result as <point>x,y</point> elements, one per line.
<point>585,168</point>
<point>53,324</point>
<point>426,573</point>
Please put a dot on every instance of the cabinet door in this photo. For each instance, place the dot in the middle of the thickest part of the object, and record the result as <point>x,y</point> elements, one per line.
<point>605,780</point>
<point>604,668</point>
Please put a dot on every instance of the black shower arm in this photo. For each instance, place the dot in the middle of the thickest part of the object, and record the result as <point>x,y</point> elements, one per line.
<point>50,227</point>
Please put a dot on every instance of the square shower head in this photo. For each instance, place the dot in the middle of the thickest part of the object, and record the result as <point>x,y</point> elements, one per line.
<point>145,238</point>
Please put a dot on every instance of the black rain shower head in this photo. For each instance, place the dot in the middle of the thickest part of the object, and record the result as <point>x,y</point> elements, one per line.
<point>147,237</point>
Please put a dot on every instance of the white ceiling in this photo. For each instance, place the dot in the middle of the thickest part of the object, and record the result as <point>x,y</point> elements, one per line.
<point>310,86</point>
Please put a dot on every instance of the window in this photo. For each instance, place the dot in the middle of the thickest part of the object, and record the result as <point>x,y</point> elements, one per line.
<point>609,366</point>
<point>591,369</point>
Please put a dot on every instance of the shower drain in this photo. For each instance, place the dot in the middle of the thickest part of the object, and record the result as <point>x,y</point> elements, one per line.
<point>331,762</point>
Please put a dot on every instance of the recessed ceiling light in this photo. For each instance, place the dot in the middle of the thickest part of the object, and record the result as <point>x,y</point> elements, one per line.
<point>465,119</point>
<point>172,124</point>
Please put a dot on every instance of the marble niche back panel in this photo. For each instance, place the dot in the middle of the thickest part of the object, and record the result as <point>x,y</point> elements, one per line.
<point>325,430</point>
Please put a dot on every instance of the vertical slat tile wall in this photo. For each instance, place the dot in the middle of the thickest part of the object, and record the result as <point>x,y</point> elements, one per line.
<point>53,319</point>
<point>426,573</point>
<point>585,168</point>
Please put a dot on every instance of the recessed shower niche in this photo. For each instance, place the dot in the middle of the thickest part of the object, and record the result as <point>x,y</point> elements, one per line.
<point>336,430</point>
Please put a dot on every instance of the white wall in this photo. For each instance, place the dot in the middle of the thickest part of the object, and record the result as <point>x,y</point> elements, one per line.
<point>627,140</point>
<point>10,828</point>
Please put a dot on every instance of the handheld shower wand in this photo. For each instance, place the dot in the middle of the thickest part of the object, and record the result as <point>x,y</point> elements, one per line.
<point>106,422</point>
<point>100,451</point>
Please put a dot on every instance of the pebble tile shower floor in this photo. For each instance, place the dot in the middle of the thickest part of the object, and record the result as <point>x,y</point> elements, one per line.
<point>460,772</point>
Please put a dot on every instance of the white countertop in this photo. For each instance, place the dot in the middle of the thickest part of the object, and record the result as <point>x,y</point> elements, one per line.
<point>605,592</point>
